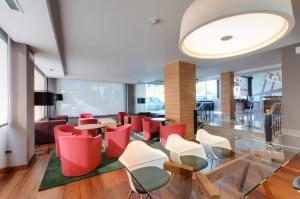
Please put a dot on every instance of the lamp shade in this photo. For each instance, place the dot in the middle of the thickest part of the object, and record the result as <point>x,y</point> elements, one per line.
<point>44,99</point>
<point>141,100</point>
<point>212,29</point>
<point>58,97</point>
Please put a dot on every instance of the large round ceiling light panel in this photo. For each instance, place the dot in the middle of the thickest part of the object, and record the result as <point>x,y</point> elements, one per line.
<point>213,29</point>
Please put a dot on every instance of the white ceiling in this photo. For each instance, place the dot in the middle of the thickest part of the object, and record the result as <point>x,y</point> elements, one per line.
<point>115,41</point>
<point>34,27</point>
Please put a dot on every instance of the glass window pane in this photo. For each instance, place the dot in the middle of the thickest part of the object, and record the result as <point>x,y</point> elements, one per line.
<point>39,85</point>
<point>155,98</point>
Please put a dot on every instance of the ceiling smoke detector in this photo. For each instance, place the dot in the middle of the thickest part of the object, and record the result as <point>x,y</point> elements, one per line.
<point>14,5</point>
<point>155,20</point>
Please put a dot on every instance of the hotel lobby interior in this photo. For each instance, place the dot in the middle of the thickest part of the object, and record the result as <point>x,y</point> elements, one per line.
<point>172,99</point>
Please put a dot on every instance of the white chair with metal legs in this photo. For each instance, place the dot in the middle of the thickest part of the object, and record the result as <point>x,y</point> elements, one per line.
<point>145,167</point>
<point>218,147</point>
<point>186,152</point>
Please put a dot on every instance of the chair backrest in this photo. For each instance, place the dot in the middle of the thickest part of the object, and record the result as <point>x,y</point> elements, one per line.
<point>146,122</point>
<point>80,155</point>
<point>62,130</point>
<point>212,140</point>
<point>125,126</point>
<point>138,155</point>
<point>179,147</point>
<point>165,131</point>
<point>87,121</point>
<point>66,128</point>
<point>86,115</point>
<point>136,123</point>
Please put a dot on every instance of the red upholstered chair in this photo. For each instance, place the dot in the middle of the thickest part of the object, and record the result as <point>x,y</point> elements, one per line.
<point>149,127</point>
<point>86,115</point>
<point>63,130</point>
<point>136,123</point>
<point>165,131</point>
<point>116,140</point>
<point>121,118</point>
<point>89,121</point>
<point>79,155</point>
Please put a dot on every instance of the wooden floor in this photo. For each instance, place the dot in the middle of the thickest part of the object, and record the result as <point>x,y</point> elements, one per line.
<point>24,184</point>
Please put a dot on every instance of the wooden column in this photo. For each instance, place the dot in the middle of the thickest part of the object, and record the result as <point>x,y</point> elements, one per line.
<point>227,95</point>
<point>180,94</point>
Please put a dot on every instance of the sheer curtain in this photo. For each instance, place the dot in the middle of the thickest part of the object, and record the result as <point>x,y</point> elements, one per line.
<point>95,97</point>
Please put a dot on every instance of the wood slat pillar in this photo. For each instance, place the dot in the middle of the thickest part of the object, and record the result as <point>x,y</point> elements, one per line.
<point>227,95</point>
<point>180,94</point>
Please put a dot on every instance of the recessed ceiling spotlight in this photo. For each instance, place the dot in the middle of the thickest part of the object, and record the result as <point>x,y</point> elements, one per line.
<point>51,69</point>
<point>155,20</point>
<point>252,24</point>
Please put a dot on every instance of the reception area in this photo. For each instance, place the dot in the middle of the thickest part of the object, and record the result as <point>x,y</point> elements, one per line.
<point>165,99</point>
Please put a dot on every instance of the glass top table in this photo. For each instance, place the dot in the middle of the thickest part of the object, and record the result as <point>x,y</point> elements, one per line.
<point>233,176</point>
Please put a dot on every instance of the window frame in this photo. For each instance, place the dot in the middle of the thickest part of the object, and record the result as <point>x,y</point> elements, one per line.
<point>4,37</point>
<point>36,69</point>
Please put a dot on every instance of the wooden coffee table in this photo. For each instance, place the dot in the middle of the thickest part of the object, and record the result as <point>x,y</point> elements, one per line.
<point>89,127</point>
<point>162,120</point>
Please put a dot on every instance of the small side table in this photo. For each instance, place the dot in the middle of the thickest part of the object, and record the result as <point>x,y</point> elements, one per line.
<point>89,127</point>
<point>162,120</point>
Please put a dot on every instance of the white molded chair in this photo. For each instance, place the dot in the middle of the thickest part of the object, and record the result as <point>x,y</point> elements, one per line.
<point>214,144</point>
<point>137,157</point>
<point>186,152</point>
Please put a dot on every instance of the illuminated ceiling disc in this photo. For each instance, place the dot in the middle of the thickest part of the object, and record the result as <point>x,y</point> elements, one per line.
<point>213,29</point>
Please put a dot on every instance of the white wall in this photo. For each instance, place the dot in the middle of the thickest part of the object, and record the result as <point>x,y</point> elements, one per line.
<point>18,135</point>
<point>290,89</point>
<point>139,91</point>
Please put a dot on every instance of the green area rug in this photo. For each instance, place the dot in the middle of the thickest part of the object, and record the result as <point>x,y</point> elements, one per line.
<point>53,176</point>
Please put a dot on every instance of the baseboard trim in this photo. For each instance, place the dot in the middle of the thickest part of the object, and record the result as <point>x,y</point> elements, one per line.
<point>16,168</point>
<point>13,168</point>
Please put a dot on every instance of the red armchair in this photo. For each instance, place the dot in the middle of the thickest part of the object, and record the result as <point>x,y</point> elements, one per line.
<point>121,118</point>
<point>86,115</point>
<point>84,121</point>
<point>136,123</point>
<point>165,131</point>
<point>63,130</point>
<point>116,140</point>
<point>80,155</point>
<point>149,127</point>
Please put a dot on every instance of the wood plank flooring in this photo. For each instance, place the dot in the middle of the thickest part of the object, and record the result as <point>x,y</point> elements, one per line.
<point>24,184</point>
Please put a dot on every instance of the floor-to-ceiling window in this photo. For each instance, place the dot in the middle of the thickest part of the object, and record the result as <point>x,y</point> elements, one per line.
<point>39,85</point>
<point>95,97</point>
<point>3,82</point>
<point>207,90</point>
<point>155,98</point>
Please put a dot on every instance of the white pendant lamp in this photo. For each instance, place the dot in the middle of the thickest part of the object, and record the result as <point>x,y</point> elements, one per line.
<point>213,29</point>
